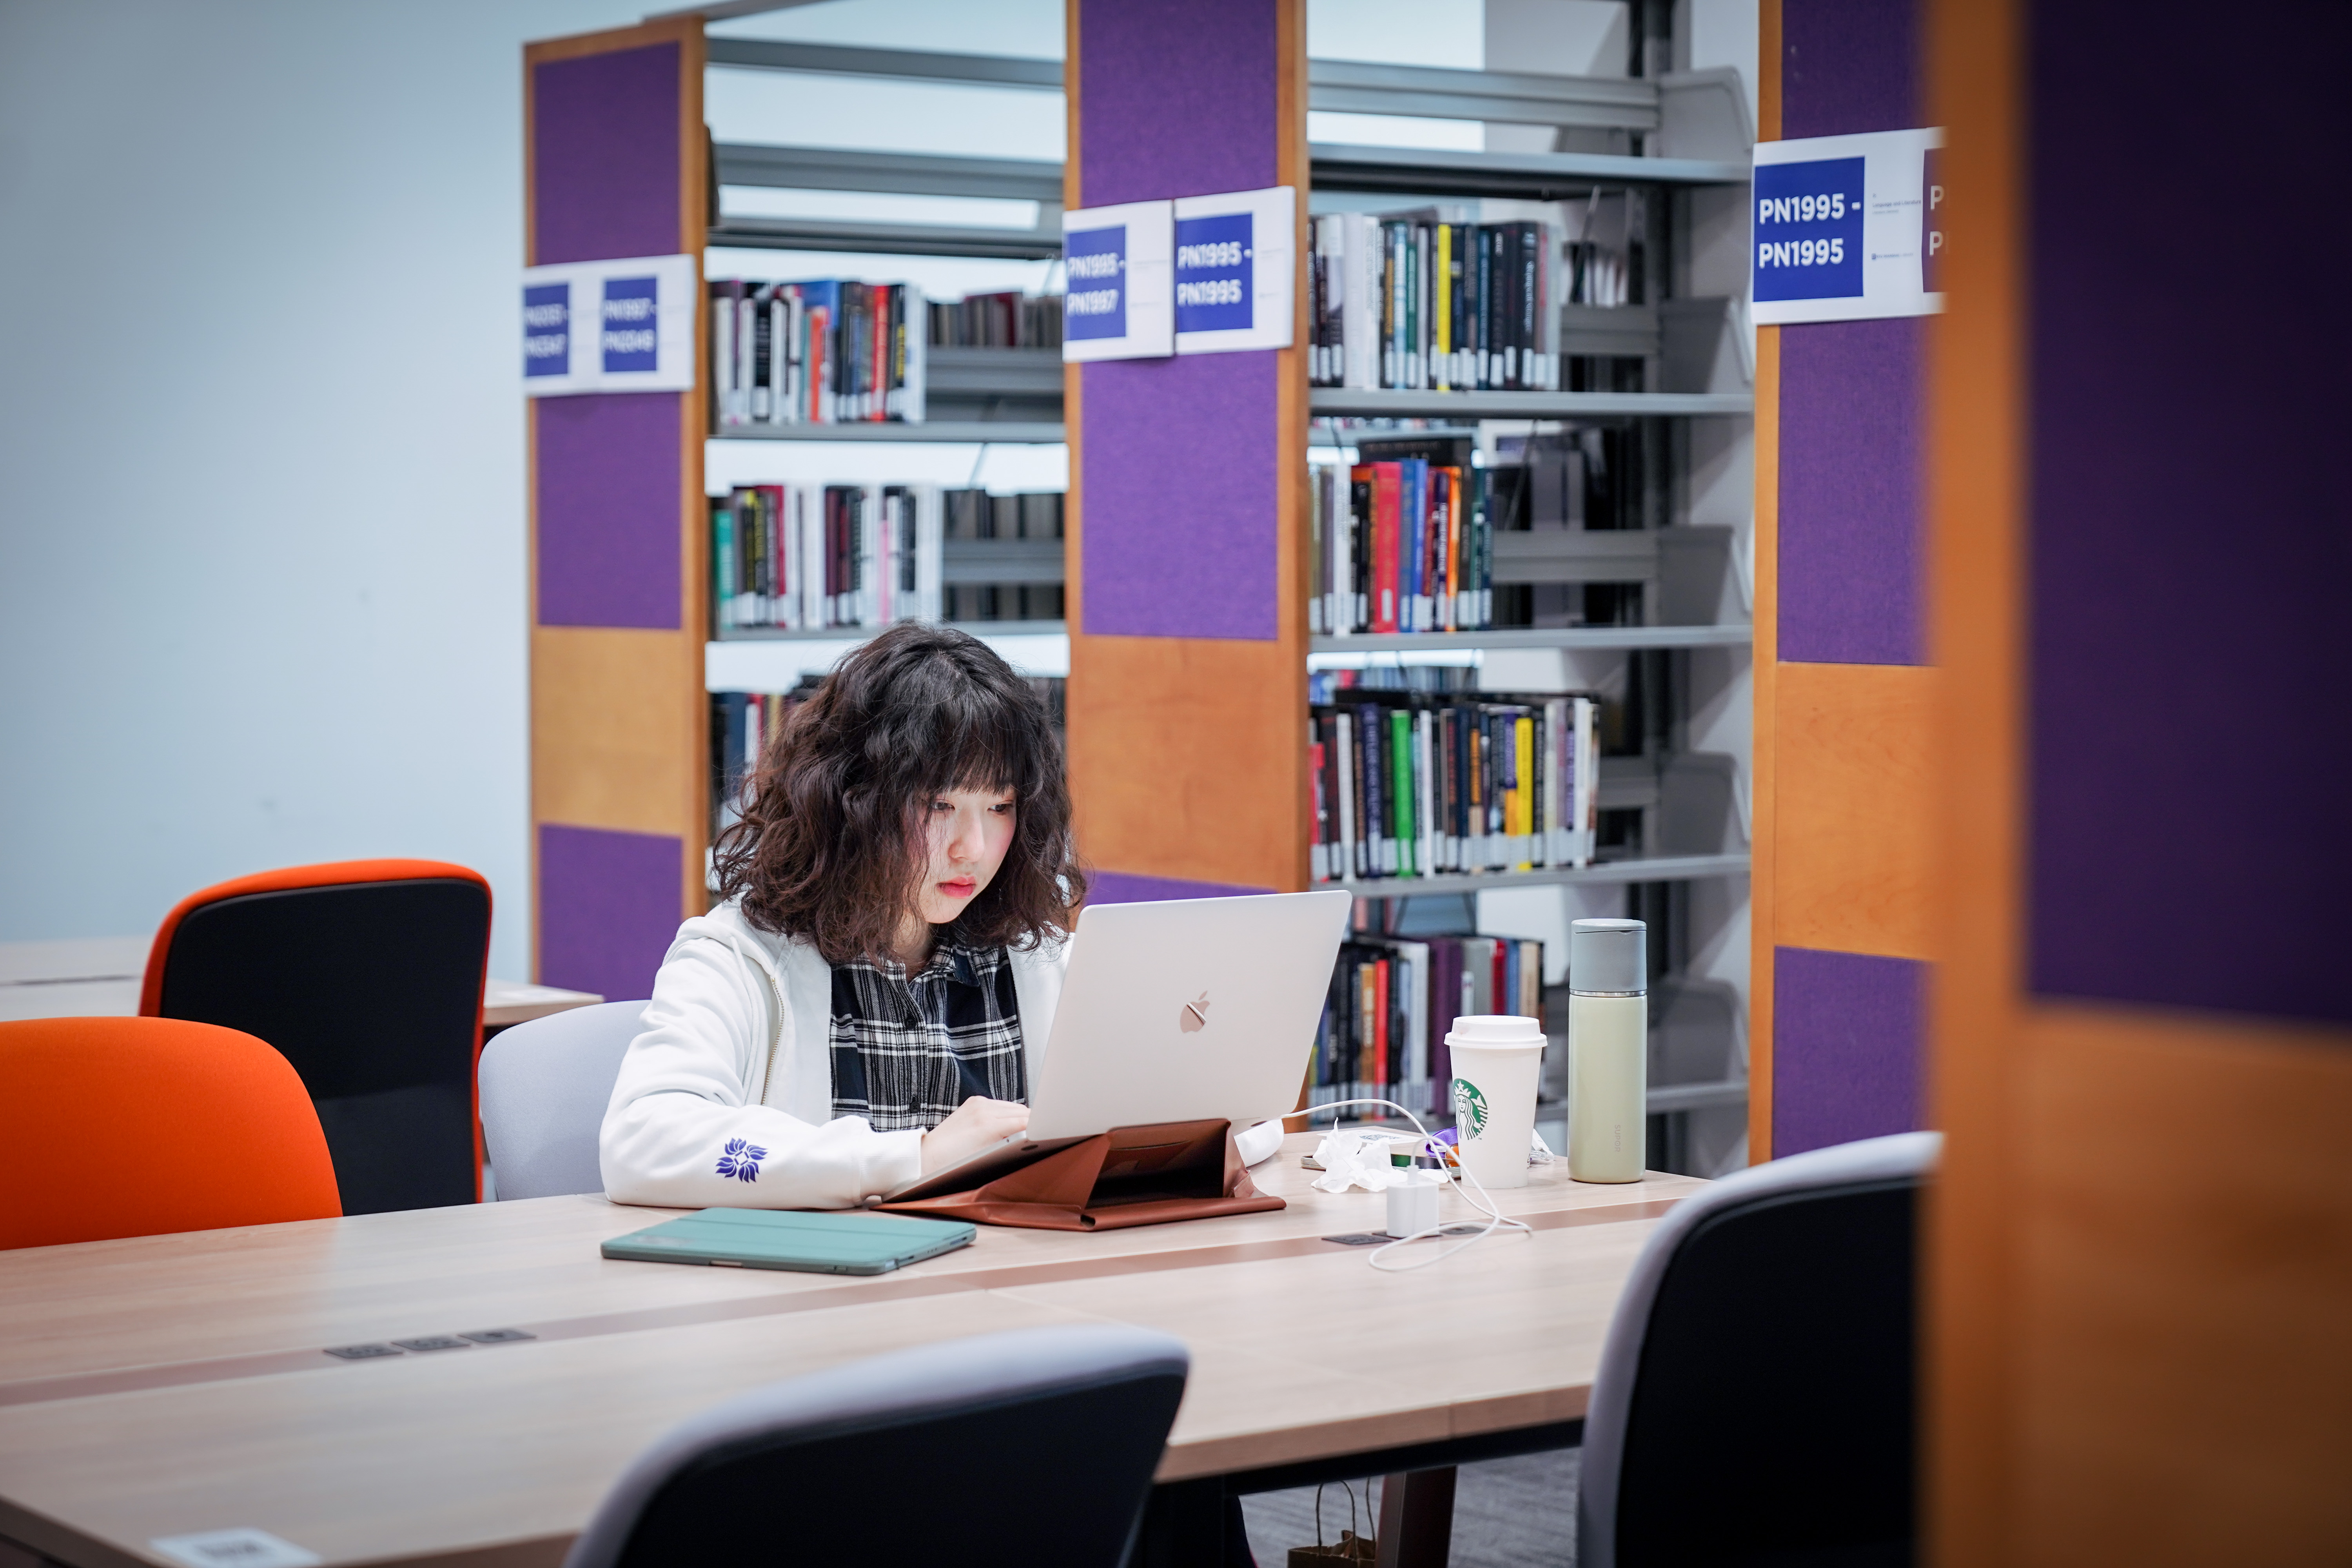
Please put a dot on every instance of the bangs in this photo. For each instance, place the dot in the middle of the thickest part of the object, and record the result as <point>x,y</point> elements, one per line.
<point>970,736</point>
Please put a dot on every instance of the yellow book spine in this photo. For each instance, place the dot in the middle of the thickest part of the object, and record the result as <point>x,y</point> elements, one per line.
<point>1523,741</point>
<point>1439,297</point>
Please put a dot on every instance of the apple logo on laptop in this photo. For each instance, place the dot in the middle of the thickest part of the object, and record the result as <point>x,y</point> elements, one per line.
<point>1195,1015</point>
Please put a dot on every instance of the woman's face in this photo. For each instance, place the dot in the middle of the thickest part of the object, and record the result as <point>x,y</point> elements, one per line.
<point>970,831</point>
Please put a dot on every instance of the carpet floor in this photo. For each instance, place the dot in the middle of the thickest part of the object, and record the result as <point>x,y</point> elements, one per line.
<point>1508,1513</point>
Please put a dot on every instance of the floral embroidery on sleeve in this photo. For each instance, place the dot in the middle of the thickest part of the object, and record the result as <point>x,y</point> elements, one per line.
<point>741,1160</point>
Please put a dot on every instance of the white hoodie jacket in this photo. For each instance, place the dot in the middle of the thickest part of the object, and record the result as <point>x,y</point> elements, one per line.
<point>726,1097</point>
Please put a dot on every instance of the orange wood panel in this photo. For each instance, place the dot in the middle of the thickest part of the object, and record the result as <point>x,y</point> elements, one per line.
<point>1976,528</point>
<point>612,741</point>
<point>1187,758</point>
<point>1852,833</point>
<point>2183,1223</point>
<point>1767,70</point>
<point>1764,834</point>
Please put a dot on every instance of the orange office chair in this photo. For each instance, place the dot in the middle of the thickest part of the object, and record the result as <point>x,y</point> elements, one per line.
<point>367,975</point>
<point>141,1126</point>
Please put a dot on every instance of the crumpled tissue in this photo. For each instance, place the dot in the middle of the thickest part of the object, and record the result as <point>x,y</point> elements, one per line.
<point>1354,1159</point>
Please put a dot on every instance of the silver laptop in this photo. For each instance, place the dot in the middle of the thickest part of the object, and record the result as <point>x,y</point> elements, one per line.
<point>1192,1010</point>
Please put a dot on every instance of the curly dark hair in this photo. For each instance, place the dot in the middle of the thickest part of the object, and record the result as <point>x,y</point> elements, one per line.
<point>833,843</point>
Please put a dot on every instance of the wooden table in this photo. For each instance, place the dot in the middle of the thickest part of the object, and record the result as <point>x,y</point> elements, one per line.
<point>165,1385</point>
<point>99,977</point>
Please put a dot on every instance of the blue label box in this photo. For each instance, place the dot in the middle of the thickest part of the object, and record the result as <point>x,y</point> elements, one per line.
<point>1213,273</point>
<point>631,325</point>
<point>1809,230</point>
<point>547,330</point>
<point>1096,304</point>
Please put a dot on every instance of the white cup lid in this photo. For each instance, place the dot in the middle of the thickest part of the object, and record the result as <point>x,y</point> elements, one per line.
<point>1496,1030</point>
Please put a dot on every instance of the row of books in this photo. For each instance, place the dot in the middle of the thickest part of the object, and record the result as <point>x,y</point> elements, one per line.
<point>1424,301</point>
<point>1410,786</point>
<point>1007,321</point>
<point>824,352</point>
<point>1402,546</point>
<point>1026,514</point>
<point>743,722</point>
<point>1325,685</point>
<point>741,725</point>
<point>1392,999</point>
<point>806,557</point>
<point>1005,602</point>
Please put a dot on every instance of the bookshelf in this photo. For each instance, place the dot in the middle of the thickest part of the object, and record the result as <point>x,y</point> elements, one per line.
<point>973,397</point>
<point>1187,745</point>
<point>1188,649</point>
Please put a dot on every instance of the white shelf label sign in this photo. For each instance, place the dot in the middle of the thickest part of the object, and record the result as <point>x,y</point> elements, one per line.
<point>1847,227</point>
<point>1235,259</point>
<point>625,325</point>
<point>1117,303</point>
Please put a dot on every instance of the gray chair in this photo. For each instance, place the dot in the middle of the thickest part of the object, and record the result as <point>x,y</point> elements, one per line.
<point>544,1085</point>
<point>1756,1402</point>
<point>1035,1446</point>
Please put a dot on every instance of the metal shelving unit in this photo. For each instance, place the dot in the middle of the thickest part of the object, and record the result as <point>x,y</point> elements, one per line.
<point>980,397</point>
<point>982,629</point>
<point>1384,403</point>
<point>1635,869</point>
<point>1599,638</point>
<point>1685,799</point>
<point>969,432</point>
<point>1526,176</point>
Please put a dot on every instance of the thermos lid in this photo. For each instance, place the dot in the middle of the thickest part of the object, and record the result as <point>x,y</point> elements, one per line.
<point>1610,957</point>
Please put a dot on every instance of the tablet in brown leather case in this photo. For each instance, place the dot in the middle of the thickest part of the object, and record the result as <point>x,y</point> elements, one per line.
<point>1127,1177</point>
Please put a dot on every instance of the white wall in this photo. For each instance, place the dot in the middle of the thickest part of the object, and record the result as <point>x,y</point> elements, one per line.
<point>262,452</point>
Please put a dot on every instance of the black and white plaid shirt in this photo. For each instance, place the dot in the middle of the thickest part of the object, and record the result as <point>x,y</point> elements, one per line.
<point>907,1051</point>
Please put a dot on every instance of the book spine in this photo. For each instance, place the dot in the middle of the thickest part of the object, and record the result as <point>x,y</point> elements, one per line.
<point>1400,739</point>
<point>1424,793</point>
<point>1351,859</point>
<point>1386,501</point>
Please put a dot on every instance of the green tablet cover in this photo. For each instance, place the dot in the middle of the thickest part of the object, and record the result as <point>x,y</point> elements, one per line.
<point>845,1243</point>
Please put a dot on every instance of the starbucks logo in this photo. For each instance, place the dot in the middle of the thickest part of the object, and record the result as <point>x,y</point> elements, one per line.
<point>1469,1108</point>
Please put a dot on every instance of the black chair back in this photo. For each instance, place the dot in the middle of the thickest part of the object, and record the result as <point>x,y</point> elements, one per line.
<point>1029,1447</point>
<point>1763,1409</point>
<point>372,990</point>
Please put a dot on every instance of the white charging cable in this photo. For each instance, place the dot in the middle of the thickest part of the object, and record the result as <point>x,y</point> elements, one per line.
<point>1497,1219</point>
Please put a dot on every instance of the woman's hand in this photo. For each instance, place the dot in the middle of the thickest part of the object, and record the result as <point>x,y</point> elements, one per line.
<point>970,1127</point>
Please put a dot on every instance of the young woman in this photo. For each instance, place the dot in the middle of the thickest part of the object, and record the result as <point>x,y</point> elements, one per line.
<point>867,1003</point>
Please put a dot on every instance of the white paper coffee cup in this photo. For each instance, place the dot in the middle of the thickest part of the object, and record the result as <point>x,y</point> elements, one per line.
<point>1497,1060</point>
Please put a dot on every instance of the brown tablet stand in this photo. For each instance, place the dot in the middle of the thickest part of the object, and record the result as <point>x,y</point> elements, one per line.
<point>1129,1175</point>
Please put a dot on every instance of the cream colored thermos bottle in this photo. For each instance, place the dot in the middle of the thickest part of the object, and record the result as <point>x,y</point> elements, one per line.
<point>1608,1050</point>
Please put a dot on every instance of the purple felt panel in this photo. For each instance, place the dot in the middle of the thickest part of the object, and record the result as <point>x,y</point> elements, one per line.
<point>604,155</point>
<point>1851,418</point>
<point>1847,1033</point>
<point>1176,97</point>
<point>2191,731</point>
<point>1177,478</point>
<point>1127,888</point>
<point>608,907</point>
<point>607,468</point>
<point>1178,494</point>
<point>1848,65</point>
